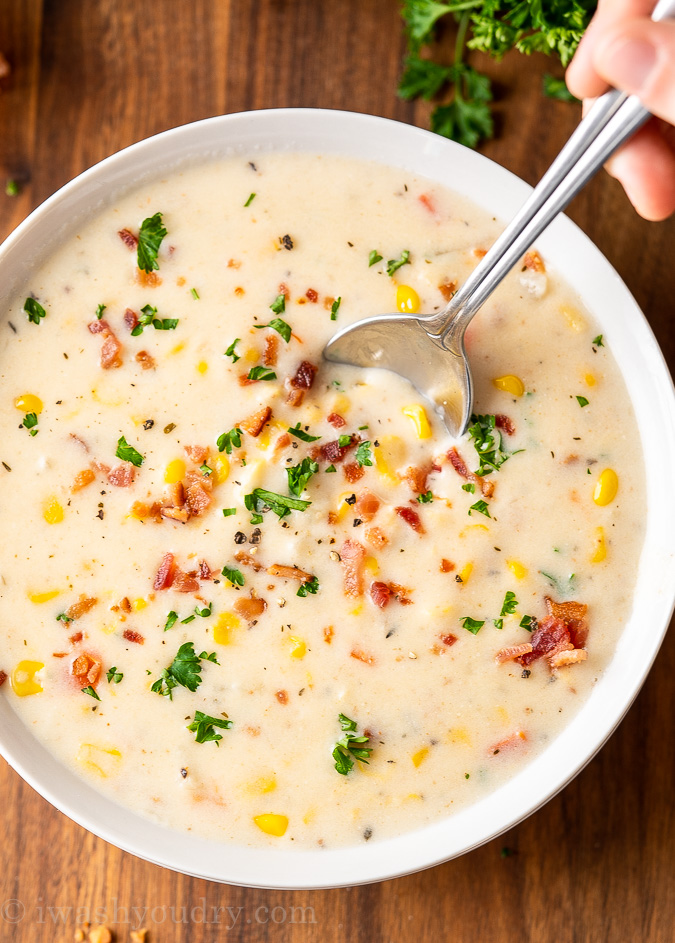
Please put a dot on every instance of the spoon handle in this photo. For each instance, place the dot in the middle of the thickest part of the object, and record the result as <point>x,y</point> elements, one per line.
<point>612,120</point>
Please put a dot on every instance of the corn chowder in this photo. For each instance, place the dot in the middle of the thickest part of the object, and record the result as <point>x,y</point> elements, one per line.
<point>265,598</point>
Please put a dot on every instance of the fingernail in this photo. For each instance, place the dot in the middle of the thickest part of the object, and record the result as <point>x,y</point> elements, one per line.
<point>630,63</point>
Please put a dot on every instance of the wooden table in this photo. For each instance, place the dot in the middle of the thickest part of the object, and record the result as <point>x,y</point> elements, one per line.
<point>596,864</point>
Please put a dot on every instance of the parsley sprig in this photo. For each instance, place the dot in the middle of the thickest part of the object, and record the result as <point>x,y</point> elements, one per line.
<point>184,670</point>
<point>128,453</point>
<point>487,440</point>
<point>280,504</point>
<point>299,475</point>
<point>150,237</point>
<point>350,747</point>
<point>203,727</point>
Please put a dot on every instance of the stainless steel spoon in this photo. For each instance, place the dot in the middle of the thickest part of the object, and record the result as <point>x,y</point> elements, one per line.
<point>429,350</point>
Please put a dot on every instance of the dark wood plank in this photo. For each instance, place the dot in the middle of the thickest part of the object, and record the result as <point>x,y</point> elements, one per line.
<point>91,76</point>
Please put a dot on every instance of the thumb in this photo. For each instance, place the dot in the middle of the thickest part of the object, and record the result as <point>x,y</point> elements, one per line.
<point>638,56</point>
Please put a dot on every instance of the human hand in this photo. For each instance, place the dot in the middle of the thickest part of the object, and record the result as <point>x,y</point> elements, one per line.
<point>625,48</point>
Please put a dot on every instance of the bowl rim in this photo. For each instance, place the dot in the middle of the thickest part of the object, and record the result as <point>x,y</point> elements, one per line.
<point>417,151</point>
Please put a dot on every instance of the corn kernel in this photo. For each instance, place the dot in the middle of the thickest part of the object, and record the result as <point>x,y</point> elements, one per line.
<point>44,597</point>
<point>109,629</point>
<point>509,384</point>
<point>357,610</point>
<point>52,510</point>
<point>298,647</point>
<point>589,379</point>
<point>414,796</point>
<point>176,349</point>
<point>139,604</point>
<point>220,469</point>
<point>606,487</point>
<point>342,506</point>
<point>419,419</point>
<point>174,471</point>
<point>407,299</point>
<point>371,564</point>
<point>271,824</point>
<point>459,735</point>
<point>419,757</point>
<point>251,354</point>
<point>29,403</point>
<point>600,547</point>
<point>104,761</point>
<point>465,572</point>
<point>341,404</point>
<point>202,366</point>
<point>389,455</point>
<point>574,319</point>
<point>261,786</point>
<point>518,570</point>
<point>226,625</point>
<point>23,678</point>
<point>309,816</point>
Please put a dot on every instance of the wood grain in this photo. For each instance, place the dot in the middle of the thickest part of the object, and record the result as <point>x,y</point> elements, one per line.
<point>596,864</point>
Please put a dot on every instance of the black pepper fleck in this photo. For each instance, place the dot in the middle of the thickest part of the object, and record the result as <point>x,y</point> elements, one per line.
<point>286,242</point>
<point>239,538</point>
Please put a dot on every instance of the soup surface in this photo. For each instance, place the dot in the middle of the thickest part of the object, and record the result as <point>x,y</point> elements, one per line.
<point>265,598</point>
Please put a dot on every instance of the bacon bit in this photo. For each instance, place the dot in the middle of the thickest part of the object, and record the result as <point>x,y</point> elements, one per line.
<point>328,302</point>
<point>205,571</point>
<point>75,638</point>
<point>487,487</point>
<point>480,253</point>
<point>505,424</point>
<point>248,560</point>
<point>360,655</point>
<point>381,594</point>
<point>146,360</point>
<point>513,652</point>
<point>198,496</point>
<point>239,291</point>
<point>447,566</point>
<point>253,425</point>
<point>59,654</point>
<point>234,263</point>
<point>111,349</point>
<point>337,421</point>
<point>400,592</point>
<point>196,453</point>
<point>166,572</point>
<point>304,376</point>
<point>130,319</point>
<point>448,639</point>
<point>121,476</point>
<point>333,452</point>
<point>515,740</point>
<point>573,615</point>
<point>282,697</point>
<point>376,537</point>
<point>551,637</point>
<point>416,476</point>
<point>80,442</point>
<point>87,669</point>
<point>185,582</point>
<point>353,472</point>
<point>3,677</point>
<point>148,279</point>
<point>312,295</point>
<point>282,442</point>
<point>448,287</point>
<point>366,506</point>
<point>560,659</point>
<point>285,291</point>
<point>131,636</point>
<point>295,397</point>
<point>79,608</point>
<point>328,634</point>
<point>427,203</point>
<point>352,557</point>
<point>125,604</point>
<point>128,238</point>
<point>271,350</point>
<point>332,517</point>
<point>140,510</point>
<point>180,514</point>
<point>82,479</point>
<point>533,261</point>
<point>289,573</point>
<point>411,518</point>
<point>250,608</point>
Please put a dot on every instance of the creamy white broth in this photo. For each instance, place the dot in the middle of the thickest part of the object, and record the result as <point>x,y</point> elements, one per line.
<point>447,722</point>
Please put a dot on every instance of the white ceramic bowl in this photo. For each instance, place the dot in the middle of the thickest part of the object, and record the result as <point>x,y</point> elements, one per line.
<point>632,343</point>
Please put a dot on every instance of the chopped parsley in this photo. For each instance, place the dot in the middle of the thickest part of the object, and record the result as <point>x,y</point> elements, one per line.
<point>228,512</point>
<point>481,507</point>
<point>206,470</point>
<point>113,675</point>
<point>235,576</point>
<point>330,469</point>
<point>147,317</point>
<point>171,620</point>
<point>91,692</point>
<point>184,670</point>
<point>528,622</point>
<point>393,265</point>
<point>499,623</point>
<point>194,293</point>
<point>99,311</point>
<point>204,613</point>
<point>364,456</point>
<point>128,453</point>
<point>278,503</point>
<point>299,475</point>
<point>302,435</point>
<point>279,304</point>
<point>350,746</point>
<point>230,351</point>
<point>582,401</point>
<point>228,440</point>
<point>30,421</point>
<point>203,727</point>
<point>509,605</point>
<point>34,310</point>
<point>150,237</point>
<point>250,200</point>
<point>374,257</point>
<point>487,441</point>
<point>562,587</point>
<point>310,586</point>
<point>344,440</point>
<point>278,325</point>
<point>469,486</point>
<point>597,341</point>
<point>261,373</point>
<point>426,498</point>
<point>472,625</point>
<point>334,308</point>
<point>63,617</point>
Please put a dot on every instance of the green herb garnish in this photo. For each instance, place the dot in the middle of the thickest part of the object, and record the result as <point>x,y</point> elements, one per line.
<point>12,188</point>
<point>147,317</point>
<point>228,440</point>
<point>278,503</point>
<point>310,586</point>
<point>426,498</point>
<point>528,622</point>
<point>171,620</point>
<point>330,469</point>
<point>481,507</point>
<point>128,453</point>
<point>487,441</point>
<point>250,200</point>
<point>374,257</point>
<point>334,308</point>
<point>279,304</point>
<point>203,726</point>
<point>350,746</point>
<point>114,676</point>
<point>185,670</point>
<point>230,351</point>
<point>150,237</point>
<point>472,625</point>
<point>99,311</point>
<point>206,470</point>
<point>597,341</point>
<point>261,373</point>
<point>34,310</point>
<point>470,487</point>
<point>582,401</point>
<point>91,692</point>
<point>228,512</point>
<point>30,421</point>
<point>235,576</point>
<point>393,265</point>
<point>302,435</point>
<point>194,293</point>
<point>509,605</point>
<point>556,88</point>
<point>364,456</point>
<point>278,325</point>
<point>344,440</point>
<point>299,475</point>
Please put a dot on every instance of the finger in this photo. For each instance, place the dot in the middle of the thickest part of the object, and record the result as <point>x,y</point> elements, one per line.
<point>582,77</point>
<point>638,56</point>
<point>646,169</point>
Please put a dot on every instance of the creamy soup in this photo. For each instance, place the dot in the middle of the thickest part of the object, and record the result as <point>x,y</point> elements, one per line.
<point>265,598</point>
